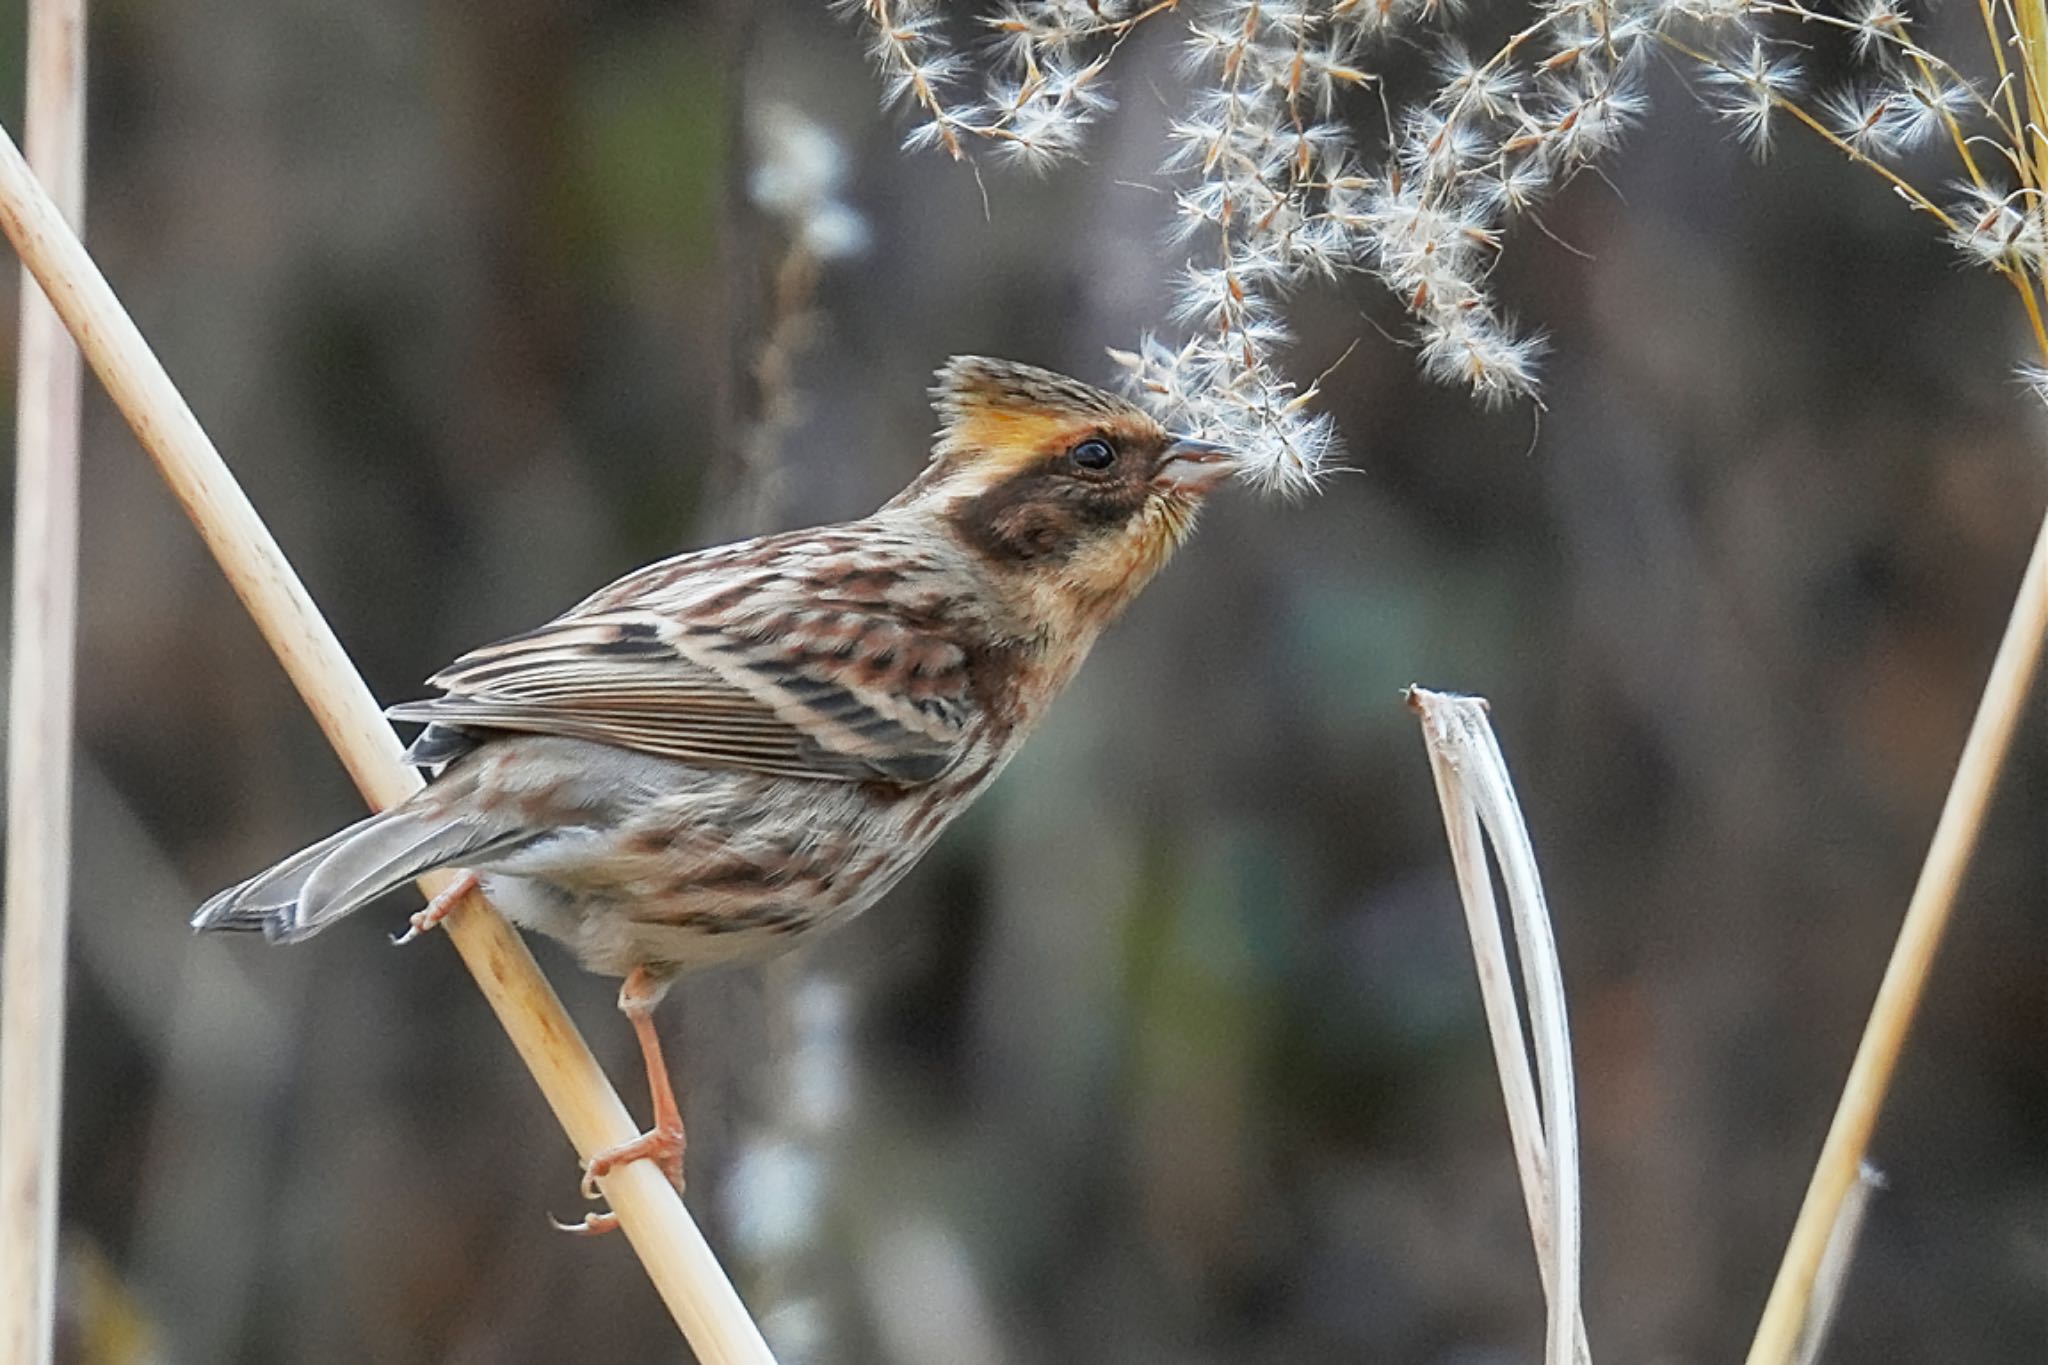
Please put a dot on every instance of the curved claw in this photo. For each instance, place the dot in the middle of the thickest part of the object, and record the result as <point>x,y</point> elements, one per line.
<point>418,925</point>
<point>593,1224</point>
<point>437,909</point>
<point>661,1145</point>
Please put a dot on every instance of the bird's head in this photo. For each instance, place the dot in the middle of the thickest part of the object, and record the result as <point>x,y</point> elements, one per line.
<point>1076,494</point>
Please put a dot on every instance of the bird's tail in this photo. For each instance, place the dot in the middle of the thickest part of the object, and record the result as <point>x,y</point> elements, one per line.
<point>344,872</point>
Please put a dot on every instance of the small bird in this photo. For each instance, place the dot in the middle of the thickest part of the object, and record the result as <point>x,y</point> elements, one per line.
<point>731,748</point>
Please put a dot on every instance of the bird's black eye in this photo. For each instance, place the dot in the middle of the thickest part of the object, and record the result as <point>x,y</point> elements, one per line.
<point>1093,453</point>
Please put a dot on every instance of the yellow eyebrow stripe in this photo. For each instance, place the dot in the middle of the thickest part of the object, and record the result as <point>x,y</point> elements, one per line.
<point>1011,438</point>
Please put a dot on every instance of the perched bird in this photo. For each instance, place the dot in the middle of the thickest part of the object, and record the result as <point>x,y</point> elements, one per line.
<point>734,747</point>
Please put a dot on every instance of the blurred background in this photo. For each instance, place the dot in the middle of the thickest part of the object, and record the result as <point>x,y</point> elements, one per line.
<point>1171,1051</point>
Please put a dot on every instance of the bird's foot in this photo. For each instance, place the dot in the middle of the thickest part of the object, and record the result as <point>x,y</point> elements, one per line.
<point>662,1145</point>
<point>438,909</point>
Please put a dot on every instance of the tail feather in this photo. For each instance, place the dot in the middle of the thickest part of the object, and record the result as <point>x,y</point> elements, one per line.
<point>380,859</point>
<point>267,900</point>
<point>344,872</point>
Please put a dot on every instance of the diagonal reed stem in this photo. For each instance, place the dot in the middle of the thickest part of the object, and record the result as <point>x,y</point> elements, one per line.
<point>1905,977</point>
<point>660,1230</point>
<point>42,666</point>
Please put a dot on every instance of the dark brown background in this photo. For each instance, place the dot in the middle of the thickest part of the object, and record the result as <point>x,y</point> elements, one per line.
<point>1171,1052</point>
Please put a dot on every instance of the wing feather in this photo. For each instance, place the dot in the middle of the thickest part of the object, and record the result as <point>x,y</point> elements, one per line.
<point>773,679</point>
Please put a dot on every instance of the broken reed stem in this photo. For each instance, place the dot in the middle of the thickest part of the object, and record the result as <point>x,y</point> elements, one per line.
<point>42,665</point>
<point>1478,799</point>
<point>1905,976</point>
<point>661,1231</point>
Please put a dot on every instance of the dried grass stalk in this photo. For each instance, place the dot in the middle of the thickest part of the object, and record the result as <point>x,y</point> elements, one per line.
<point>39,721</point>
<point>661,1231</point>
<point>1835,1265</point>
<point>1479,803</point>
<point>1841,1164</point>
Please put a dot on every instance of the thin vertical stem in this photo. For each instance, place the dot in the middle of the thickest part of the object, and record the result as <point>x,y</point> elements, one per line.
<point>655,1222</point>
<point>1793,1310</point>
<point>1905,977</point>
<point>39,719</point>
<point>2030,19</point>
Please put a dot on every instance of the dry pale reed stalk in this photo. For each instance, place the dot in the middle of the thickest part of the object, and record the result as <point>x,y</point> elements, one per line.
<point>1905,977</point>
<point>39,720</point>
<point>2005,227</point>
<point>1479,804</point>
<point>1835,1265</point>
<point>661,1231</point>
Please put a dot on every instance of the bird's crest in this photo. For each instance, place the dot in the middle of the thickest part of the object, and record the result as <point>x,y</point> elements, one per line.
<point>991,408</point>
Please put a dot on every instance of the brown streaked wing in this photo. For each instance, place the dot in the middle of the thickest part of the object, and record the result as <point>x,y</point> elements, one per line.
<point>793,690</point>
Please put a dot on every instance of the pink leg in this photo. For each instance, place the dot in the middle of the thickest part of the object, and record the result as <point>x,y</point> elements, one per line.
<point>664,1142</point>
<point>439,908</point>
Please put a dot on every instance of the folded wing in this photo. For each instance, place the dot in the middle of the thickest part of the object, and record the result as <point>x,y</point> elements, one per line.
<point>792,688</point>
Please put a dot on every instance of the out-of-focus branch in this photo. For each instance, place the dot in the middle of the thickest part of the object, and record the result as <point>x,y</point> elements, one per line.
<point>39,719</point>
<point>661,1231</point>
<point>799,170</point>
<point>1479,803</point>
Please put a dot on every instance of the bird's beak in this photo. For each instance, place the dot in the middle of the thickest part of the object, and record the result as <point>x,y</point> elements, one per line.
<point>1192,466</point>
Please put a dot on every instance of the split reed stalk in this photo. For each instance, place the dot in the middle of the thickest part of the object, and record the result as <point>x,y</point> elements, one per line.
<point>652,1215</point>
<point>39,720</point>
<point>1479,805</point>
